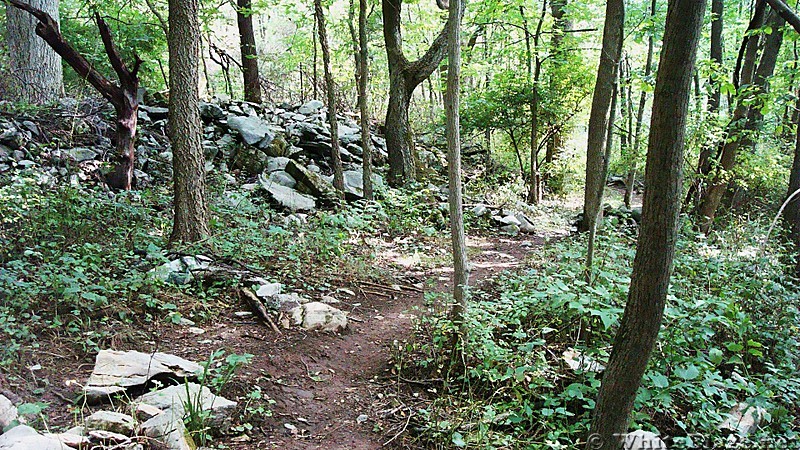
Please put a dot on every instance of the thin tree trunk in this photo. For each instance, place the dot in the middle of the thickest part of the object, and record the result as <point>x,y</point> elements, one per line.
<point>247,44</point>
<point>190,223</point>
<point>637,138</point>
<point>363,98</point>
<point>792,214</point>
<point>561,25</point>
<point>315,79</point>
<point>330,87</point>
<point>451,107</point>
<point>655,250</point>
<point>744,123</point>
<point>35,68</point>
<point>601,111</point>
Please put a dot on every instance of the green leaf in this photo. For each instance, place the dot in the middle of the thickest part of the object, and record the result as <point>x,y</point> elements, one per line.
<point>659,380</point>
<point>689,373</point>
<point>458,440</point>
<point>715,355</point>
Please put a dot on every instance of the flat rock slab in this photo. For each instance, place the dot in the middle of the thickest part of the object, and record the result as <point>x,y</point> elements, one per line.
<point>115,372</point>
<point>176,397</point>
<point>23,437</point>
<point>110,421</point>
<point>319,316</point>
<point>168,428</point>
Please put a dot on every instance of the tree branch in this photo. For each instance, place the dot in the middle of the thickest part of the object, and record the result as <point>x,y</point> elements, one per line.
<point>787,13</point>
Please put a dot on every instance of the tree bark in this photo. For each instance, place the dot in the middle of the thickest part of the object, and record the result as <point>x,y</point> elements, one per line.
<point>601,110</point>
<point>122,97</point>
<point>36,76</point>
<point>404,77</point>
<point>451,107</point>
<point>792,213</point>
<point>247,44</point>
<point>330,88</point>
<point>190,223</point>
<point>745,121</point>
<point>655,250</point>
<point>561,25</point>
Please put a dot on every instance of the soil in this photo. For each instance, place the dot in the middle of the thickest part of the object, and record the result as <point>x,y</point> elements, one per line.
<point>329,390</point>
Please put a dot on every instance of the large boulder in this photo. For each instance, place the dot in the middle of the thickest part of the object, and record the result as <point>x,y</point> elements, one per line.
<point>178,399</point>
<point>115,372</point>
<point>250,160</point>
<point>311,183</point>
<point>354,183</point>
<point>8,413</point>
<point>310,107</point>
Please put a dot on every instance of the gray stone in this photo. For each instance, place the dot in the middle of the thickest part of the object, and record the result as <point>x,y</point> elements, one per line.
<point>480,210</point>
<point>287,302</point>
<point>319,316</point>
<point>310,183</point>
<point>115,371</point>
<point>310,107</point>
<point>211,111</point>
<point>283,178</point>
<point>176,398</point>
<point>525,224</point>
<point>173,272</point>
<point>276,164</point>
<point>643,440</point>
<point>354,183</point>
<point>269,290</point>
<point>744,419</point>
<point>168,428</point>
<point>251,160</point>
<point>8,413</point>
<point>577,361</point>
<point>507,220</point>
<point>155,112</point>
<point>110,421</point>
<point>73,440</point>
<point>252,129</point>
<point>510,229</point>
<point>287,197</point>
<point>23,437</point>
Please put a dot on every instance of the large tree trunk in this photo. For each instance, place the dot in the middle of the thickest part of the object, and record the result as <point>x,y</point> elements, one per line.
<point>745,122</point>
<point>247,40</point>
<point>451,108</point>
<point>601,110</point>
<point>561,25</point>
<point>36,75</point>
<point>792,214</point>
<point>655,250</point>
<point>363,98</point>
<point>122,97</point>
<point>330,88</point>
<point>404,77</point>
<point>185,129</point>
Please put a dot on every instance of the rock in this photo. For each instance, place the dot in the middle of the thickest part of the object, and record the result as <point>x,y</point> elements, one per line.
<point>115,372</point>
<point>311,183</point>
<point>74,440</point>
<point>173,272</point>
<point>175,398</point>
<point>23,437</point>
<point>253,130</point>
<point>155,112</point>
<point>269,290</point>
<point>287,302</point>
<point>168,428</point>
<point>319,316</point>
<point>327,299</point>
<point>211,111</point>
<point>80,154</point>
<point>511,229</point>
<point>507,220</point>
<point>277,148</point>
<point>354,183</point>
<point>524,223</point>
<point>287,197</point>
<point>108,437</point>
<point>577,361</point>
<point>276,164</point>
<point>310,107</point>
<point>283,178</point>
<point>743,419</point>
<point>110,421</point>
<point>480,210</point>
<point>643,440</point>
<point>145,412</point>
<point>8,413</point>
<point>250,160</point>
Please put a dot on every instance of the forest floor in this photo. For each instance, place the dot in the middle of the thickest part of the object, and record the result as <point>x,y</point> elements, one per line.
<point>330,391</point>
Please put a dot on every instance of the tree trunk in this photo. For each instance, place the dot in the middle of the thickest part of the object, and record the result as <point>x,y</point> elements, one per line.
<point>451,108</point>
<point>190,223</point>
<point>247,44</point>
<point>792,214</point>
<point>717,11</point>
<point>561,25</point>
<point>363,98</point>
<point>122,97</point>
<point>601,111</point>
<point>655,250</point>
<point>36,75</point>
<point>404,77</point>
<point>330,88</point>
<point>746,119</point>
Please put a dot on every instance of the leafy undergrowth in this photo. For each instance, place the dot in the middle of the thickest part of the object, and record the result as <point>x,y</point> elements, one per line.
<point>730,334</point>
<point>74,262</point>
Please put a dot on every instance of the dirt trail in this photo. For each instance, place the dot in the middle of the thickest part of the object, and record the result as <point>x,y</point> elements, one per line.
<point>327,381</point>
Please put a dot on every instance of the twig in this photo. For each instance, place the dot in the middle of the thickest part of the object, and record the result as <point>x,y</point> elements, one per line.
<point>775,220</point>
<point>401,431</point>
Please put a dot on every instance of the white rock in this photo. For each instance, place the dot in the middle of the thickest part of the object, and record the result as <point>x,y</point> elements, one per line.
<point>23,437</point>
<point>110,421</point>
<point>319,316</point>
<point>176,397</point>
<point>269,290</point>
<point>8,412</point>
<point>168,428</point>
<point>643,440</point>
<point>743,419</point>
<point>115,371</point>
<point>578,361</point>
